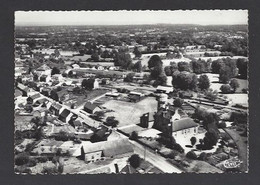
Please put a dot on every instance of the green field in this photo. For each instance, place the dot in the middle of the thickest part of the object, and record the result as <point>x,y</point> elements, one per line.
<point>129,113</point>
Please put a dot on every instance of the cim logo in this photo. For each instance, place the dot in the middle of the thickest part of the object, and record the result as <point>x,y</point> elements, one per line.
<point>232,163</point>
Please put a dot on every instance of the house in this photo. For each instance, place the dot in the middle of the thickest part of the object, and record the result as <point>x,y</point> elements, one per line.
<point>92,152</point>
<point>42,101</point>
<point>105,81</point>
<point>165,116</point>
<point>46,147</point>
<point>75,66</point>
<point>84,135</point>
<point>128,169</point>
<point>164,89</point>
<point>23,88</point>
<point>45,91</point>
<point>135,96</point>
<point>185,127</point>
<point>39,113</point>
<point>147,120</point>
<point>45,78</point>
<point>96,84</point>
<point>112,94</point>
<point>43,70</point>
<point>91,108</point>
<point>32,99</point>
<point>65,116</point>
<point>57,77</point>
<point>17,93</point>
<point>55,108</point>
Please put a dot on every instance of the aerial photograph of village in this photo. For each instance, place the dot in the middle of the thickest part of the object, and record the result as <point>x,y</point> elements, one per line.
<point>131,92</point>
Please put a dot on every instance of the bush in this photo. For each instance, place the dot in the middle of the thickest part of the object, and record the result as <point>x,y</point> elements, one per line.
<point>203,156</point>
<point>178,102</point>
<point>43,159</point>
<point>135,160</point>
<point>32,162</point>
<point>193,140</point>
<point>178,148</point>
<point>49,170</point>
<point>171,155</point>
<point>191,155</point>
<point>222,124</point>
<point>133,136</point>
<point>226,89</point>
<point>21,159</point>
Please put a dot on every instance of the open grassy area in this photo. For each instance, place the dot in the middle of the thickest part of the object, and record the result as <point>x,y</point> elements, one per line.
<point>243,84</point>
<point>129,113</point>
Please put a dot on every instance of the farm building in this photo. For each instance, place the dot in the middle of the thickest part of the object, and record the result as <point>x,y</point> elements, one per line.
<point>32,99</point>
<point>164,89</point>
<point>92,152</point>
<point>91,108</point>
<point>64,116</point>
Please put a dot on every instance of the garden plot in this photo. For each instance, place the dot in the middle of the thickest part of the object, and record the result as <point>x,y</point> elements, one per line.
<point>185,142</point>
<point>238,98</point>
<point>129,113</point>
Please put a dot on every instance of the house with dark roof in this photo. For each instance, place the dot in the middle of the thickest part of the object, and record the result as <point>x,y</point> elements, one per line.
<point>91,108</point>
<point>55,108</point>
<point>32,99</point>
<point>23,88</point>
<point>64,116</point>
<point>42,101</point>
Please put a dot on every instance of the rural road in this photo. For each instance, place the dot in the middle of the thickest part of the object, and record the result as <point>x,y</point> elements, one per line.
<point>155,159</point>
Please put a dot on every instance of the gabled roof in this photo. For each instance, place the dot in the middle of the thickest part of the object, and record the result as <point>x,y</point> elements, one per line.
<point>35,96</point>
<point>44,67</point>
<point>182,124</point>
<point>22,87</point>
<point>128,169</point>
<point>90,106</point>
<point>42,100</point>
<point>110,148</point>
<point>65,113</point>
<point>56,106</point>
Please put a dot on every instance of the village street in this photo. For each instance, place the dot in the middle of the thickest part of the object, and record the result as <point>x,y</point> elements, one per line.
<point>155,159</point>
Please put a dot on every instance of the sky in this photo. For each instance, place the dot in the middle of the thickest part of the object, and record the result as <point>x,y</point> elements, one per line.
<point>202,17</point>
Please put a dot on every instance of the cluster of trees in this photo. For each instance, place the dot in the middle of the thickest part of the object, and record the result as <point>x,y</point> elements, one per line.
<point>88,83</point>
<point>111,121</point>
<point>157,72</point>
<point>242,65</point>
<point>184,80</point>
<point>170,142</point>
<point>169,70</point>
<point>200,66</point>
<point>226,68</point>
<point>55,70</point>
<point>231,87</point>
<point>210,122</point>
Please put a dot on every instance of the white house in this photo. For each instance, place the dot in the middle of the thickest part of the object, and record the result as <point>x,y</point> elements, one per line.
<point>185,127</point>
<point>96,84</point>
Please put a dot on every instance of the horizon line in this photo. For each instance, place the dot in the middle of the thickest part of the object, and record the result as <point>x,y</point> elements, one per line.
<point>35,25</point>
